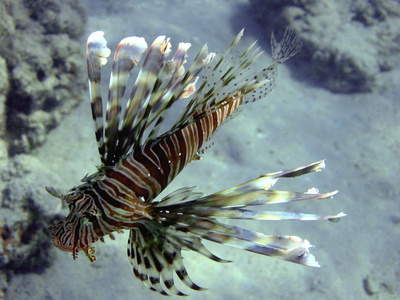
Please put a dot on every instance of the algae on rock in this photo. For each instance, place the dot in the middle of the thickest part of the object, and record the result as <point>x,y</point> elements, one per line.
<point>347,43</point>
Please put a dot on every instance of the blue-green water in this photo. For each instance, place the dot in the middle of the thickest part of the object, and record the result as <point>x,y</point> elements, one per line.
<point>298,123</point>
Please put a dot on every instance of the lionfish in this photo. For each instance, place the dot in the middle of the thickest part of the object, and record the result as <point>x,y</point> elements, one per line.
<point>138,162</point>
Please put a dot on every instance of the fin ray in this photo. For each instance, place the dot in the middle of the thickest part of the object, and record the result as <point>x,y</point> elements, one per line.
<point>128,54</point>
<point>97,53</point>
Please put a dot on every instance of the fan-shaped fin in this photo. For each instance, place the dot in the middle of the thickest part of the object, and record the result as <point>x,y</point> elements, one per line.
<point>127,56</point>
<point>97,53</point>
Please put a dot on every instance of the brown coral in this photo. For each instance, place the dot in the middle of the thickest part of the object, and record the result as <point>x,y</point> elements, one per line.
<point>347,44</point>
<point>42,49</point>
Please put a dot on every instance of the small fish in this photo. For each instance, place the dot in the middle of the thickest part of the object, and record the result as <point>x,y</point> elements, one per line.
<point>138,162</point>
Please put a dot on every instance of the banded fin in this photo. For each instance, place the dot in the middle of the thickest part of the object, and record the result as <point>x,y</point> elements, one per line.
<point>179,196</point>
<point>253,192</point>
<point>97,53</point>
<point>128,54</point>
<point>136,110</point>
<point>159,84</point>
<point>289,248</point>
<point>162,82</point>
<point>155,255</point>
<point>185,217</point>
<point>230,78</point>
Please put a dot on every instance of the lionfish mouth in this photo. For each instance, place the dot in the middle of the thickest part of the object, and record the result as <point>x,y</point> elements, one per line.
<point>67,239</point>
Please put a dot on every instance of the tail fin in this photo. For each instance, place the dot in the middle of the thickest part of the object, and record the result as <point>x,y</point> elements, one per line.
<point>184,218</point>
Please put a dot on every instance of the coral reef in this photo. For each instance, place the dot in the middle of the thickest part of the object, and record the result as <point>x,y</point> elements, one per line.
<point>4,86</point>
<point>42,78</point>
<point>24,216</point>
<point>347,43</point>
<point>40,41</point>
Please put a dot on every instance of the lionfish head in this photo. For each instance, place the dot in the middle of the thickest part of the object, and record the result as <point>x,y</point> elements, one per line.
<point>76,232</point>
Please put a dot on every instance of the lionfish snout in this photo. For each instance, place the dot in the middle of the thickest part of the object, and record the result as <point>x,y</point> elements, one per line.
<point>67,236</point>
<point>62,235</point>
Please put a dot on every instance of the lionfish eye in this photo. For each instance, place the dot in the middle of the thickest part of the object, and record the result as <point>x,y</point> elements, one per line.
<point>90,217</point>
<point>72,197</point>
<point>71,206</point>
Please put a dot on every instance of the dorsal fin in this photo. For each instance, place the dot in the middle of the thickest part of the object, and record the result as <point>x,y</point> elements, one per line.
<point>229,78</point>
<point>97,53</point>
<point>159,83</point>
<point>162,82</point>
<point>128,54</point>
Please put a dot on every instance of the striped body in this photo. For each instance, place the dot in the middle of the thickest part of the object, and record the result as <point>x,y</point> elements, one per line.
<point>125,191</point>
<point>138,162</point>
<point>148,170</point>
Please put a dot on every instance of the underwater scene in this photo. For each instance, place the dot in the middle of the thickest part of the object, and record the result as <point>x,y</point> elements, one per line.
<point>103,103</point>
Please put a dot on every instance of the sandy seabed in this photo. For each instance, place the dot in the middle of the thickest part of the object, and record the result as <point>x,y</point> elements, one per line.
<point>297,124</point>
